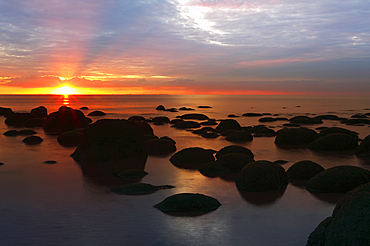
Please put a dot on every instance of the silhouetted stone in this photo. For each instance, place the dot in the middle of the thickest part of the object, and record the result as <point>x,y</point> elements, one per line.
<point>327,117</point>
<point>39,112</point>
<point>188,202</point>
<point>331,130</point>
<point>34,122</point>
<point>110,140</point>
<point>204,106</point>
<point>228,124</point>
<point>232,116</point>
<point>363,151</point>
<point>280,162</point>
<point>304,170</point>
<point>11,133</point>
<point>50,162</point>
<point>65,119</point>
<point>210,135</point>
<point>305,120</point>
<point>187,124</point>
<point>267,119</point>
<point>161,119</point>
<point>132,174</point>
<point>70,138</point>
<point>136,118</point>
<point>252,114</point>
<point>97,113</point>
<point>295,137</point>
<point>191,158</point>
<point>265,132</point>
<point>159,147</point>
<point>143,127</point>
<point>208,123</point>
<point>213,168</point>
<point>160,107</point>
<point>186,109</point>
<point>5,111</point>
<point>1,164</point>
<point>355,121</point>
<point>168,139</point>
<point>171,110</point>
<point>84,108</point>
<point>32,140</point>
<point>234,149</point>
<point>194,117</point>
<point>239,136</point>
<point>349,223</point>
<point>339,179</point>
<point>359,115</point>
<point>139,189</point>
<point>17,119</point>
<point>235,161</point>
<point>26,132</point>
<point>262,176</point>
<point>334,142</point>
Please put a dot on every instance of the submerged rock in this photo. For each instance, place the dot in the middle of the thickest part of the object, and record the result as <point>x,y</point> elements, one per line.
<point>188,202</point>
<point>334,142</point>
<point>160,147</point>
<point>228,124</point>
<point>305,120</point>
<point>331,130</point>
<point>97,113</point>
<point>70,138</point>
<point>339,179</point>
<point>39,112</point>
<point>194,117</point>
<point>32,140</point>
<point>213,168</point>
<point>234,149</point>
<point>139,189</point>
<point>304,170</point>
<point>191,158</point>
<point>239,136</point>
<point>235,161</point>
<point>363,151</point>
<point>295,137</point>
<point>11,133</point>
<point>17,119</point>
<point>5,111</point>
<point>50,162</point>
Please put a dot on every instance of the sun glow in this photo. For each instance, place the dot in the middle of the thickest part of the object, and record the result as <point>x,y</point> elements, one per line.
<point>66,90</point>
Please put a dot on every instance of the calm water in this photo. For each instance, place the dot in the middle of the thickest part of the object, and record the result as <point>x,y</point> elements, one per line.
<point>60,205</point>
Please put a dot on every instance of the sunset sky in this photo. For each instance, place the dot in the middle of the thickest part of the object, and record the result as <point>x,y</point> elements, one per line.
<point>185,46</point>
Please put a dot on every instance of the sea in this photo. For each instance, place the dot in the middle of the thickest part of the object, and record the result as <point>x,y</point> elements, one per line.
<point>60,204</point>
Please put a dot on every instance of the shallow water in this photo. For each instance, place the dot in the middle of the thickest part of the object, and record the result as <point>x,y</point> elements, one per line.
<point>43,204</point>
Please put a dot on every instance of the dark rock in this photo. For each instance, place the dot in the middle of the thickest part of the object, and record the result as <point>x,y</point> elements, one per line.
<point>235,161</point>
<point>359,115</point>
<point>295,137</point>
<point>70,138</point>
<point>199,131</point>
<point>132,174</point>
<point>159,147</point>
<point>65,119</point>
<point>1,164</point>
<point>213,168</point>
<point>191,158</point>
<point>5,111</point>
<point>96,113</point>
<point>339,179</point>
<point>228,124</point>
<point>305,120</point>
<point>136,118</point>
<point>334,142</point>
<point>363,151</point>
<point>239,136</point>
<point>234,149</point>
<point>84,108</point>
<point>331,130</point>
<point>208,123</point>
<point>262,176</point>
<point>265,132</point>
<point>281,119</point>
<point>292,125</point>
<point>50,162</point>
<point>139,189</point>
<point>267,119</point>
<point>39,112</point>
<point>143,127</point>
<point>327,117</point>
<point>355,121</point>
<point>161,119</point>
<point>32,140</point>
<point>110,140</point>
<point>34,122</point>
<point>186,109</point>
<point>175,121</point>
<point>210,135</point>
<point>17,119</point>
<point>304,170</point>
<point>188,202</point>
<point>252,114</point>
<point>168,139</point>
<point>204,107</point>
<point>232,116</point>
<point>26,132</point>
<point>194,117</point>
<point>349,223</point>
<point>280,162</point>
<point>11,133</point>
<point>160,107</point>
<point>171,110</point>
<point>187,124</point>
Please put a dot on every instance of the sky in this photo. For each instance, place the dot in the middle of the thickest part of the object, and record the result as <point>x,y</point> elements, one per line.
<point>185,46</point>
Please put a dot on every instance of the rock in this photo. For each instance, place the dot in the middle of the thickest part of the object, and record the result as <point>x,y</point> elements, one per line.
<point>295,137</point>
<point>132,174</point>
<point>34,122</point>
<point>188,202</point>
<point>349,223</point>
<point>136,118</point>
<point>228,124</point>
<point>139,189</point>
<point>84,108</point>
<point>359,115</point>
<point>11,133</point>
<point>160,107</point>
<point>355,121</point>
<point>17,119</point>
<point>187,124</point>
<point>210,135</point>
<point>33,140</point>
<point>143,127</point>
<point>339,179</point>
<point>327,117</point>
<point>234,149</point>
<point>96,113</point>
<point>232,116</point>
<point>5,111</point>
<point>208,123</point>
<point>267,119</point>
<point>363,151</point>
<point>252,114</point>
<point>110,140</point>
<point>194,117</point>
<point>186,109</point>
<point>265,132</point>
<point>171,110</point>
<point>204,107</point>
<point>65,119</point>
<point>26,132</point>
<point>304,170</point>
<point>262,176</point>
<point>161,119</point>
<point>191,158</point>
<point>50,162</point>
<point>235,161</point>
<point>239,136</point>
<point>280,162</point>
<point>1,164</point>
<point>168,139</point>
<point>39,112</point>
<point>70,138</point>
<point>159,147</point>
<point>305,120</point>
<point>213,168</point>
<point>331,130</point>
<point>334,142</point>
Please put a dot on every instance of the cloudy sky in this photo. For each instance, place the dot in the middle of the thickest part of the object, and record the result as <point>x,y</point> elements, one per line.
<point>185,46</point>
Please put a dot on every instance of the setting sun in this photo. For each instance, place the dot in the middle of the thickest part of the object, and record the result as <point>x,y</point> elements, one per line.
<point>65,90</point>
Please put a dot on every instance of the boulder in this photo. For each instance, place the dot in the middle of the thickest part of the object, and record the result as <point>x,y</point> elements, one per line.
<point>210,135</point>
<point>334,142</point>
<point>304,170</point>
<point>139,189</point>
<point>267,119</point>
<point>168,139</point>
<point>235,161</point>
<point>252,114</point>
<point>331,130</point>
<point>228,124</point>
<point>97,113</point>
<point>264,132</point>
<point>17,119</point>
<point>136,118</point>
<point>5,111</point>
<point>187,124</point>
<point>295,137</point>
<point>34,122</point>
<point>39,112</point>
<point>26,132</point>
<point>50,162</point>
<point>161,119</point>
<point>339,179</point>
<point>188,202</point>
<point>143,127</point>
<point>186,109</point>
<point>262,176</point>
<point>84,108</point>
<point>11,133</point>
<point>70,138</point>
<point>204,106</point>
<point>194,117</point>
<point>239,136</point>
<point>191,158</point>
<point>234,149</point>
<point>32,140</point>
<point>305,120</point>
<point>208,123</point>
<point>327,117</point>
<point>213,168</point>
<point>159,147</point>
<point>110,140</point>
<point>363,151</point>
<point>65,119</point>
<point>160,107</point>
<point>349,223</point>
